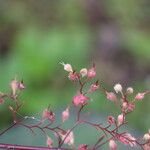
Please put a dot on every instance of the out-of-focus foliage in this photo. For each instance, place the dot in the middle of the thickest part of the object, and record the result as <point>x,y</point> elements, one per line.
<point>36,35</point>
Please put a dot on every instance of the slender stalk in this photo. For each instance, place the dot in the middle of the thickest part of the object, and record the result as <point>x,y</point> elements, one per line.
<point>20,147</point>
<point>76,124</point>
<point>3,132</point>
<point>79,112</point>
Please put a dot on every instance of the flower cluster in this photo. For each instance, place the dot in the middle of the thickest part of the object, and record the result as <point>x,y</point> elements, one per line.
<point>87,74</point>
<point>65,137</point>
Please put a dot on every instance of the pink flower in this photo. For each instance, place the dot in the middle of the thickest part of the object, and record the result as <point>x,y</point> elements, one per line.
<point>125,105</point>
<point>21,86</point>
<point>120,119</point>
<point>111,96</point>
<point>91,72</point>
<point>112,145</point>
<point>128,106</point>
<point>1,101</point>
<point>48,115</point>
<point>139,96</point>
<point>80,99</point>
<point>49,142</point>
<point>73,76</point>
<point>127,139</point>
<point>83,147</point>
<point>65,115</point>
<point>110,120</point>
<point>94,87</point>
<point>146,146</point>
<point>68,137</point>
<point>15,85</point>
<point>131,107</point>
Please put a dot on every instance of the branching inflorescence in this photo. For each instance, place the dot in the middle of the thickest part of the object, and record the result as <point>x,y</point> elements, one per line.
<point>108,133</point>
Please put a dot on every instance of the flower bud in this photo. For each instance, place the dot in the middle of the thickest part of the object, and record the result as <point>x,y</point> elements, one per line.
<point>120,119</point>
<point>14,86</point>
<point>146,137</point>
<point>73,76</point>
<point>129,90</point>
<point>91,72</point>
<point>125,105</point>
<point>127,139</point>
<point>49,142</point>
<point>111,96</point>
<point>110,120</point>
<point>94,87</point>
<point>139,96</point>
<point>83,72</point>
<point>112,145</point>
<point>48,115</point>
<point>118,88</point>
<point>65,115</point>
<point>83,147</point>
<point>68,136</point>
<point>146,146</point>
<point>131,107</point>
<point>67,67</point>
<point>21,86</point>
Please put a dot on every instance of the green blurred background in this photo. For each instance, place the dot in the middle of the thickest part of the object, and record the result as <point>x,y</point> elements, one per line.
<point>36,35</point>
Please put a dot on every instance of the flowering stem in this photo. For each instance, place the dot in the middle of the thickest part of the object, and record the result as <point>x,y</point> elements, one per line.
<point>109,133</point>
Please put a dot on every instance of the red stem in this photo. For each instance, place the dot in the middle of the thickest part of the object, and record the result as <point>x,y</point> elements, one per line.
<point>20,147</point>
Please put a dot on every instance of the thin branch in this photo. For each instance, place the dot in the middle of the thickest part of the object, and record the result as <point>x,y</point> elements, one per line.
<point>3,132</point>
<point>20,147</point>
